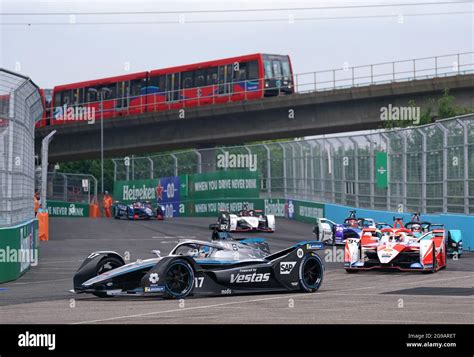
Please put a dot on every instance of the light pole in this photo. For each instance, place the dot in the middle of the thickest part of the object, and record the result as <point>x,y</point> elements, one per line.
<point>101,92</point>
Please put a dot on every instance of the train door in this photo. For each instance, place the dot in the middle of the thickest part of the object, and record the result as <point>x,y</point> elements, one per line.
<point>123,96</point>
<point>225,79</point>
<point>173,81</point>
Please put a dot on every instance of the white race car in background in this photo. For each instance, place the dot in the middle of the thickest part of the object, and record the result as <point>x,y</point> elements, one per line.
<point>245,221</point>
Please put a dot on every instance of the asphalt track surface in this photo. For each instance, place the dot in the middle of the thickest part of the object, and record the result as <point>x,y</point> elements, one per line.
<point>372,297</point>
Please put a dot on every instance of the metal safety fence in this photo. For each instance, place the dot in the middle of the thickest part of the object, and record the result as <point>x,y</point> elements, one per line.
<point>70,187</point>
<point>20,107</point>
<point>428,168</point>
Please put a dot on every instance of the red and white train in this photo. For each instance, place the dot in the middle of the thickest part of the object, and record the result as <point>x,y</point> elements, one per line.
<point>206,83</point>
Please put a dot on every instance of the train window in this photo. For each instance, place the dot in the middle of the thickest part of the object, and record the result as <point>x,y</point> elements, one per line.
<point>268,69</point>
<point>200,78</point>
<point>211,76</point>
<point>111,93</point>
<point>252,70</point>
<point>188,79</point>
<point>276,68</point>
<point>57,99</point>
<point>91,94</point>
<point>66,97</point>
<point>136,86</point>
<point>157,84</point>
<point>77,96</point>
<point>285,66</point>
<point>241,74</point>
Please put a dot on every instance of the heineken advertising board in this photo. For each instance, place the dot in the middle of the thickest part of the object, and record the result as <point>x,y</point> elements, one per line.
<point>67,209</point>
<point>223,184</point>
<point>275,206</point>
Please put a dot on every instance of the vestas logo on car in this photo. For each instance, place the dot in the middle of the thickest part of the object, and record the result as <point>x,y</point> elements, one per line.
<point>249,278</point>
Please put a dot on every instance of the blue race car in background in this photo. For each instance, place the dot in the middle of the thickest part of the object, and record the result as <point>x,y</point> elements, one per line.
<point>137,210</point>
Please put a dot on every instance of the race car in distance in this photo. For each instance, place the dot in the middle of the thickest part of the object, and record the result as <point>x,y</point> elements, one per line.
<point>332,233</point>
<point>453,239</point>
<point>397,248</point>
<point>419,227</point>
<point>245,221</point>
<point>137,210</point>
<point>200,268</point>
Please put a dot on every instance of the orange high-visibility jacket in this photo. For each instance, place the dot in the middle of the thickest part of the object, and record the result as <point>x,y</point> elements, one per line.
<point>107,201</point>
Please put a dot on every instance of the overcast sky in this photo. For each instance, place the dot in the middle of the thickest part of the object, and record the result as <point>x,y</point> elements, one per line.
<point>71,52</point>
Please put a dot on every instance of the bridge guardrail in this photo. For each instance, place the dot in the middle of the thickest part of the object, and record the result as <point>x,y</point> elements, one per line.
<point>324,80</point>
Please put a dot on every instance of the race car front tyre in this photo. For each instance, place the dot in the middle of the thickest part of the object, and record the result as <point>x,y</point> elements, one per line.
<point>106,265</point>
<point>179,279</point>
<point>311,273</point>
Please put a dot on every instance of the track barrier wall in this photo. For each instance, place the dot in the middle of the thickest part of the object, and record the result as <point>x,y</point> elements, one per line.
<point>18,249</point>
<point>204,195</point>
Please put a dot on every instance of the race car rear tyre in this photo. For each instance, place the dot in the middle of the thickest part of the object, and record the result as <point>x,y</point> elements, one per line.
<point>311,273</point>
<point>179,279</point>
<point>106,265</point>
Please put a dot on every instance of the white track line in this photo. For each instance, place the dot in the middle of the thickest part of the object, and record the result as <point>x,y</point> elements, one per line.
<point>180,309</point>
<point>250,301</point>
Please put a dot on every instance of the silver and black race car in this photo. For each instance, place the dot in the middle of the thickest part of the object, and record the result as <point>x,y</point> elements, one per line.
<point>224,266</point>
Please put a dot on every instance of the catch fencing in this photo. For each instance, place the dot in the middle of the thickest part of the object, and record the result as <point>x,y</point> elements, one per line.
<point>20,108</point>
<point>70,187</point>
<point>428,168</point>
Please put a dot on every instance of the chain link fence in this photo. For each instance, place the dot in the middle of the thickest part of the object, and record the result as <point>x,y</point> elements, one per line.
<point>70,187</point>
<point>429,168</point>
<point>20,108</point>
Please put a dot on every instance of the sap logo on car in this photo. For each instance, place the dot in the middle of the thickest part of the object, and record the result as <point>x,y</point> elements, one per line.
<point>249,278</point>
<point>226,292</point>
<point>154,278</point>
<point>286,267</point>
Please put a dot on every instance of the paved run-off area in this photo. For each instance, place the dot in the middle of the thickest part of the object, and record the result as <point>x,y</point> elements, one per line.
<point>42,294</point>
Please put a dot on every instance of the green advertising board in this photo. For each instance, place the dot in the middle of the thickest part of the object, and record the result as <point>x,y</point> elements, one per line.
<point>274,206</point>
<point>67,209</point>
<point>183,185</point>
<point>135,190</point>
<point>210,208</point>
<point>381,170</point>
<point>223,184</point>
<point>305,211</point>
<point>18,250</point>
